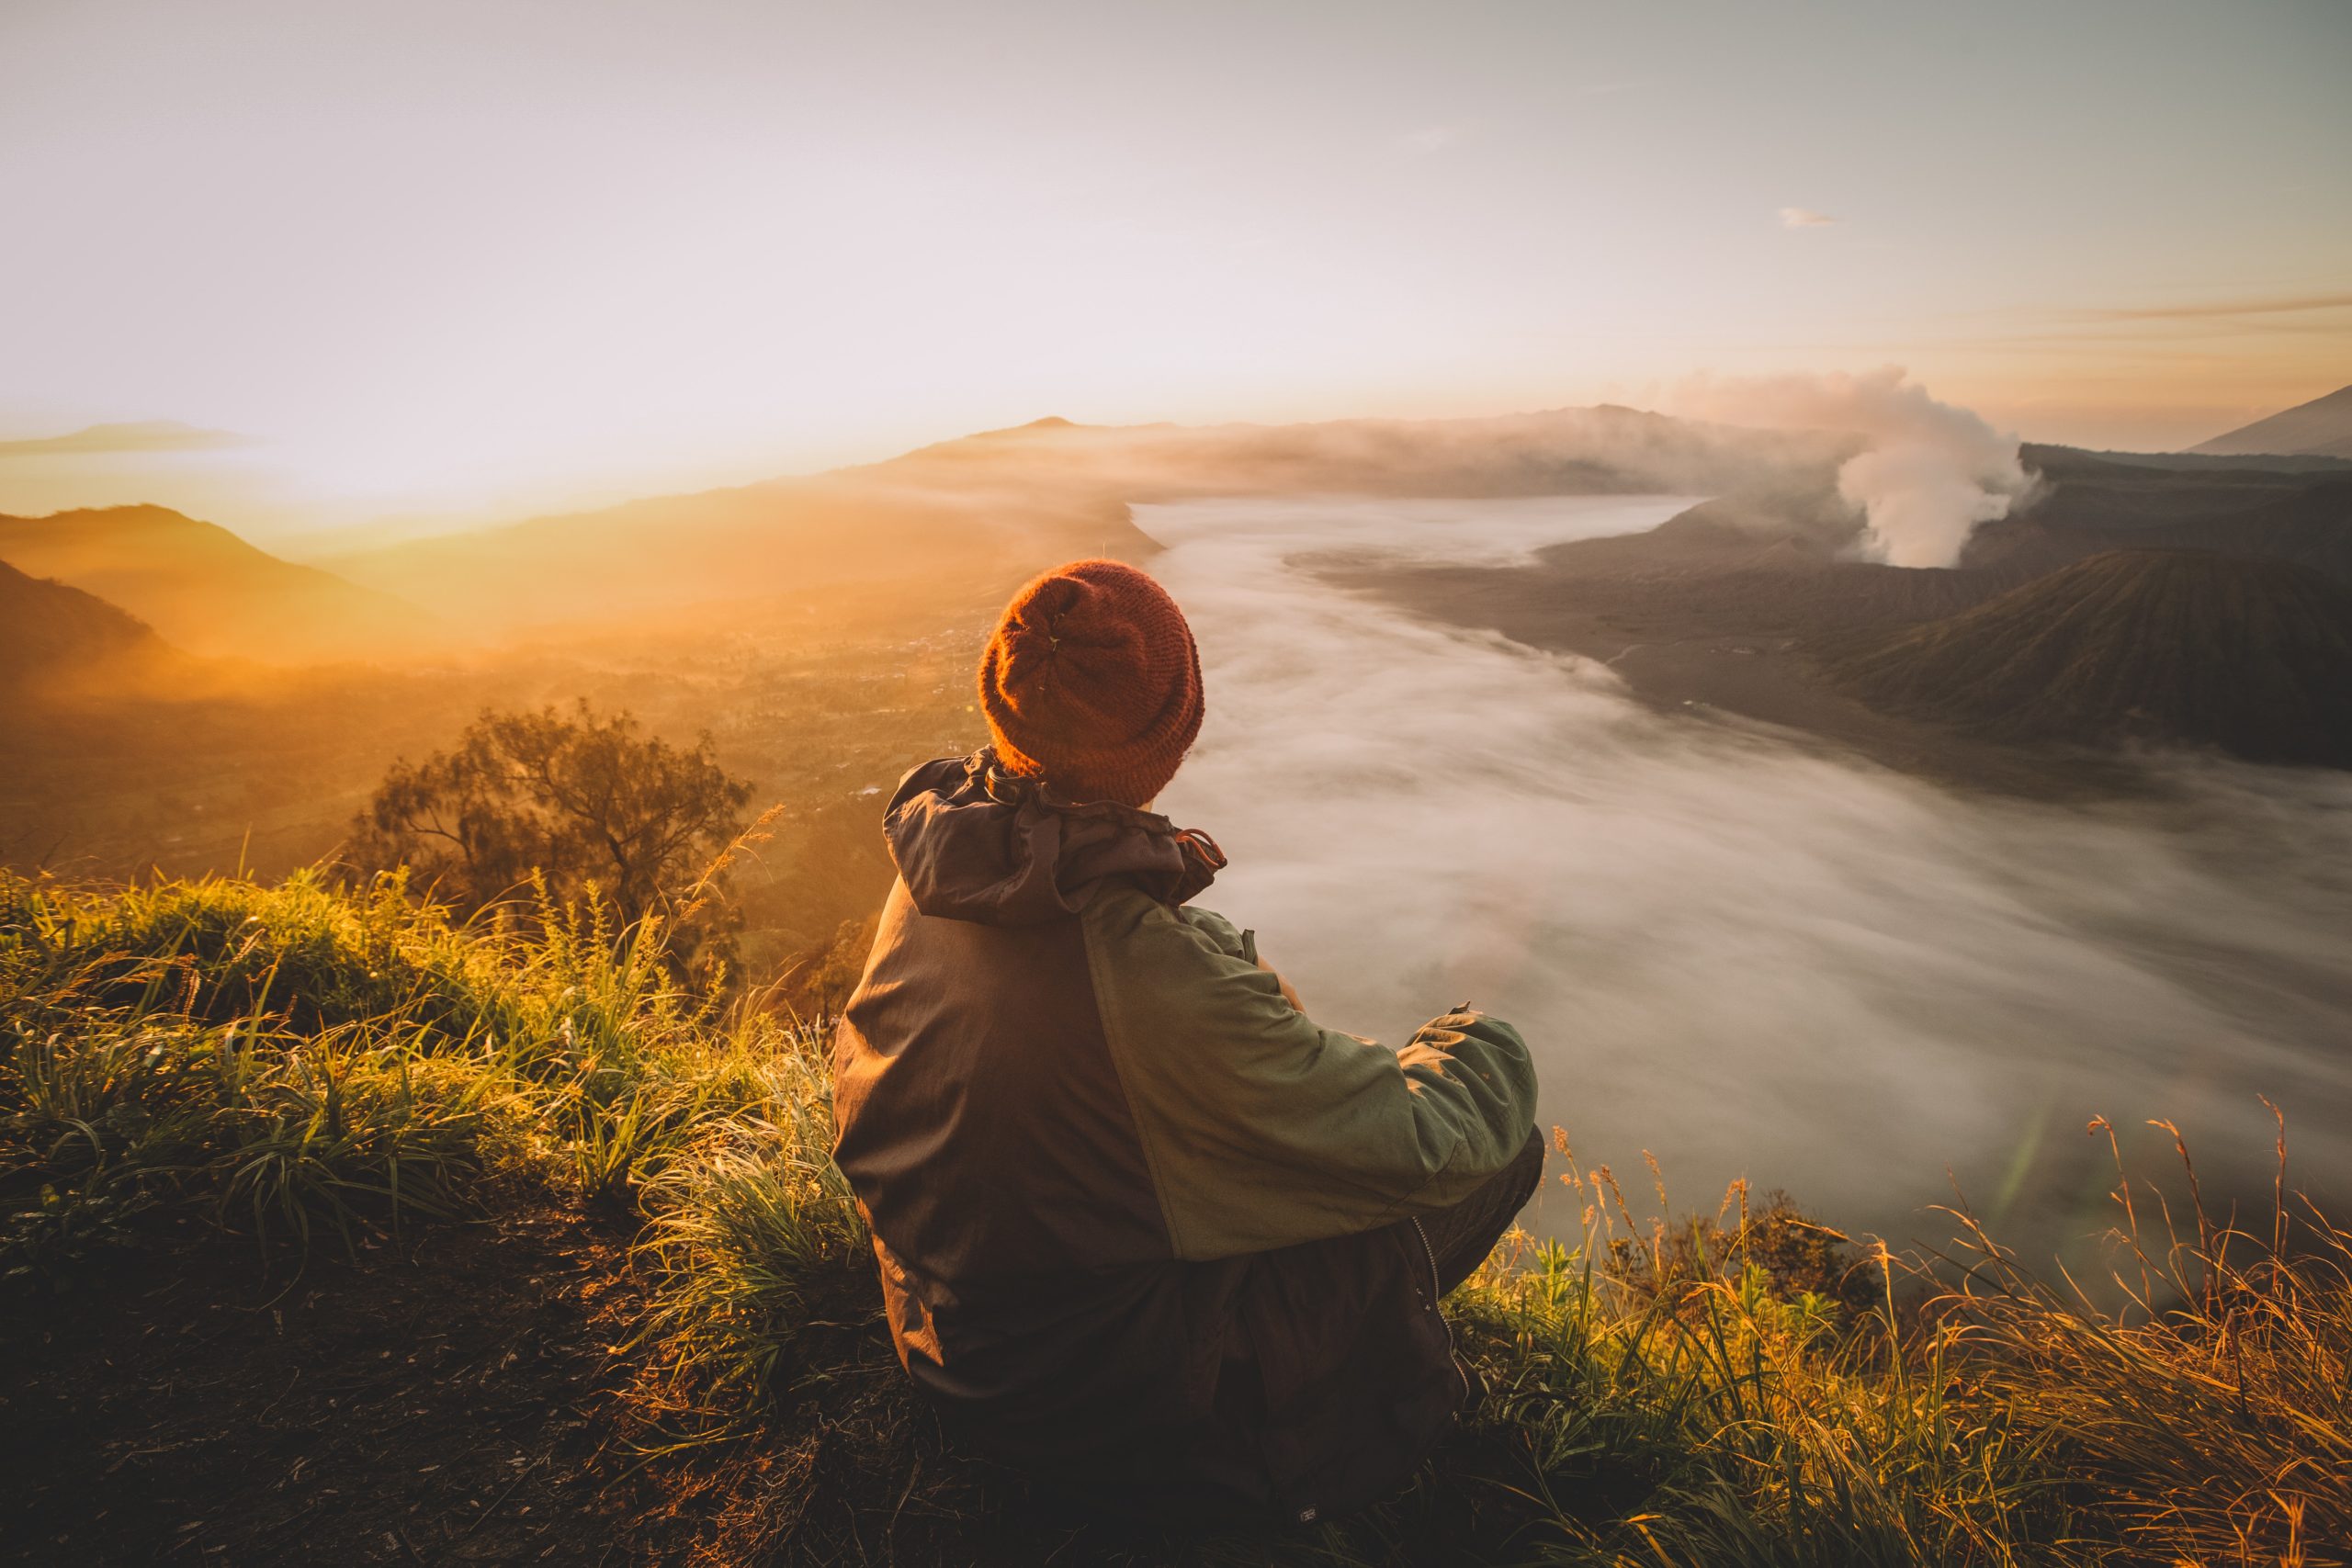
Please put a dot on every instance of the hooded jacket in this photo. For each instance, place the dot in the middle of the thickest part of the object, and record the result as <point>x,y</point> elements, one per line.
<point>1138,1221</point>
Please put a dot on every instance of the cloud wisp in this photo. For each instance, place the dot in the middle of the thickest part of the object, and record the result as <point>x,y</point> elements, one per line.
<point>2224,309</point>
<point>1805,218</point>
<point>144,435</point>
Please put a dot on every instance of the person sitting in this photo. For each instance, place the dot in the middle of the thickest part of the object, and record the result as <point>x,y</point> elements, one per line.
<point>1142,1225</point>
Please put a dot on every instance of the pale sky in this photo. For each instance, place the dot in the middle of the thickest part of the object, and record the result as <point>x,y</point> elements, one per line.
<point>486,258</point>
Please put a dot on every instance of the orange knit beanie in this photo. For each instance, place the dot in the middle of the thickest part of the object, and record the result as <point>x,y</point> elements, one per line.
<point>1091,679</point>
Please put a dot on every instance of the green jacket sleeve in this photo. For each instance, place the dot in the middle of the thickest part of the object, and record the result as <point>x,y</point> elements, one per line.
<point>1262,1129</point>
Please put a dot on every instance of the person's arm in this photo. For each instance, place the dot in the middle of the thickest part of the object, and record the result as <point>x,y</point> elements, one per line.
<point>1289,994</point>
<point>1263,1128</point>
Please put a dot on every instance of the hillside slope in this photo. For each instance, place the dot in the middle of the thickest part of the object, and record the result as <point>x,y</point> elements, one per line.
<point>56,640</point>
<point>2311,527</point>
<point>2320,428</point>
<point>206,590</point>
<point>2253,657</point>
<point>2088,505</point>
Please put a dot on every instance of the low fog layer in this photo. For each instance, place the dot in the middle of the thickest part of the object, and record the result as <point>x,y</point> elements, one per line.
<point>1729,948</point>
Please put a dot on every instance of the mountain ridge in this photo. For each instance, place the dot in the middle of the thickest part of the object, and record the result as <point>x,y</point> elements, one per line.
<point>210,591</point>
<point>2320,428</point>
<point>2251,656</point>
<point>57,640</point>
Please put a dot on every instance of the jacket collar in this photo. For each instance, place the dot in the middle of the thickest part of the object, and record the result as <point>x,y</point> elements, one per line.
<point>976,842</point>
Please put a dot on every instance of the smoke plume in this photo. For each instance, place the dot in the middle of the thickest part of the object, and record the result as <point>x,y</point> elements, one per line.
<point>1930,471</point>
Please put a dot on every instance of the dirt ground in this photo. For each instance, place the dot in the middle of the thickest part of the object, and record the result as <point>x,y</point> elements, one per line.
<point>443,1397</point>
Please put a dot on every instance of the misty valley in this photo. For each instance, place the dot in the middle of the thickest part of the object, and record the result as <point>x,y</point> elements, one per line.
<point>1850,817</point>
<point>1914,868</point>
<point>1742,949</point>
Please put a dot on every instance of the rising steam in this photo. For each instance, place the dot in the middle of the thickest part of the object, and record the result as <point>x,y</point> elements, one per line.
<point>1931,473</point>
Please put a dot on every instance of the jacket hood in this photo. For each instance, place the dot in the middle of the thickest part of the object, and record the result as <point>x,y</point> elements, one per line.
<point>974,841</point>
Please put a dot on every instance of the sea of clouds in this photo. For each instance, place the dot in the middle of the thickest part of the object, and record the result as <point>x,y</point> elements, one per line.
<point>1742,951</point>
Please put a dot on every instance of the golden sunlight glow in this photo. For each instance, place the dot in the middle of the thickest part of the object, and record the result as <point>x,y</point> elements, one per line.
<point>468,261</point>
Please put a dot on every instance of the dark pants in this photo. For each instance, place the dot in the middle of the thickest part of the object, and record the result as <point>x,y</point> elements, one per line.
<point>1460,1236</point>
<point>1334,1373</point>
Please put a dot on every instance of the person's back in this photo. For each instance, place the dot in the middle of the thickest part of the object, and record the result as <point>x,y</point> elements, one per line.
<point>1140,1222</point>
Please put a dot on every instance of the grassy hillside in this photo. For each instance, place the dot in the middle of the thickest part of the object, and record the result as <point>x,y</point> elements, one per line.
<point>2254,656</point>
<point>349,1235</point>
<point>207,590</point>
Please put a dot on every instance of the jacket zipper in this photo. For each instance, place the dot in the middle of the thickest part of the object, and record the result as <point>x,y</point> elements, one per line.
<point>1431,1253</point>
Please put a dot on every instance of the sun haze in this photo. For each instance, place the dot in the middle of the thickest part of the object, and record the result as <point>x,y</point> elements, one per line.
<point>468,260</point>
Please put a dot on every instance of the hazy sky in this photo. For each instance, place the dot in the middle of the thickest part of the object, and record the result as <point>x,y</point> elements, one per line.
<point>481,255</point>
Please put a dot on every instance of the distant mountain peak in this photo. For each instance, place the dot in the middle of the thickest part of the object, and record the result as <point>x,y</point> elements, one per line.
<point>130,512</point>
<point>2320,428</point>
<point>1048,426</point>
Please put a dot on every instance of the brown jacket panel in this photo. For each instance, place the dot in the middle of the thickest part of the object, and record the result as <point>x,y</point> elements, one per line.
<point>982,1121</point>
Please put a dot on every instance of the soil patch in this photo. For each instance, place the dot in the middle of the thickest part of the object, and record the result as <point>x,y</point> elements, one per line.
<point>446,1396</point>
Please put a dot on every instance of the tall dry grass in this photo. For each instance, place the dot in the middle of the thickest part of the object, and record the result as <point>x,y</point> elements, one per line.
<point>2209,1420</point>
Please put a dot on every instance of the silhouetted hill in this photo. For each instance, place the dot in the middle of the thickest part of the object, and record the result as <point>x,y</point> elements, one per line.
<point>209,591</point>
<point>2090,505</point>
<point>56,640</point>
<point>2195,462</point>
<point>2254,656</point>
<point>2321,427</point>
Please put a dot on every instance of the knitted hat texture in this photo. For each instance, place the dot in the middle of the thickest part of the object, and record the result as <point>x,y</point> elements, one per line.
<point>1092,681</point>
